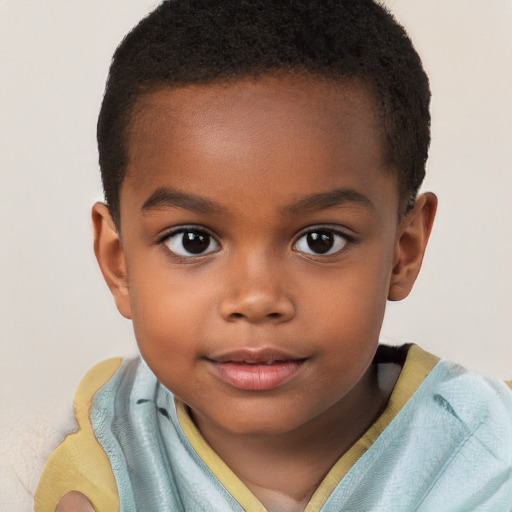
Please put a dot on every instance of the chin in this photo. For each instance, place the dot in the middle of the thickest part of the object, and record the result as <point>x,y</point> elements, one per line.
<point>260,423</point>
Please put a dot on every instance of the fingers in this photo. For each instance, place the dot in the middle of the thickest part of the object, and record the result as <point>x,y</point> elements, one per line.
<point>74,501</point>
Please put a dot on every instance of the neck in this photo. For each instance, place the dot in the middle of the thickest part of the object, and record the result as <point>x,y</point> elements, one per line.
<point>300,459</point>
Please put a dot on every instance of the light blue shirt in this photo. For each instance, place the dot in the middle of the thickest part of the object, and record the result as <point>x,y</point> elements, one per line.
<point>449,449</point>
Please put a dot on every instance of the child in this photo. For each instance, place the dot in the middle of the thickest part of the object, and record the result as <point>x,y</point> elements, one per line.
<point>261,163</point>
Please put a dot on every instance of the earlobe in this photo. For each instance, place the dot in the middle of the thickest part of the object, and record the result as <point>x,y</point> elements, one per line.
<point>413,235</point>
<point>109,253</point>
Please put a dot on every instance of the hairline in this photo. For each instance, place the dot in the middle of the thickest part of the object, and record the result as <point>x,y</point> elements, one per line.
<point>333,78</point>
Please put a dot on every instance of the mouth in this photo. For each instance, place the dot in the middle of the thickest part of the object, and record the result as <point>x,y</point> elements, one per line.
<point>255,369</point>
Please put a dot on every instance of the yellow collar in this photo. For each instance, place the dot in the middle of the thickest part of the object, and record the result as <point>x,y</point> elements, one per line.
<point>416,366</point>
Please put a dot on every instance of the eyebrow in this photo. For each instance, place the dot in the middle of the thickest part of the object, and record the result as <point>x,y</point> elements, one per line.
<point>324,200</point>
<point>165,197</point>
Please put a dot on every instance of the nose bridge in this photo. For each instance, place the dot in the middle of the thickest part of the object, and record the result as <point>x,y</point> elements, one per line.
<point>257,289</point>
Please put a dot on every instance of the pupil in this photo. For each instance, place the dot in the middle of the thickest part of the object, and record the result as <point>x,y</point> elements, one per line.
<point>320,241</point>
<point>195,242</point>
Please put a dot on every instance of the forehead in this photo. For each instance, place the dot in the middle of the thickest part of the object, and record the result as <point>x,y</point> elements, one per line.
<point>272,131</point>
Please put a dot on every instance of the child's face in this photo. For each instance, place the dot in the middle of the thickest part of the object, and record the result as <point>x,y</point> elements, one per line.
<point>260,242</point>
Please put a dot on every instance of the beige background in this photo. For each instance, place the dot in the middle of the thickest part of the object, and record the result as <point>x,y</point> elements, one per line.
<point>56,315</point>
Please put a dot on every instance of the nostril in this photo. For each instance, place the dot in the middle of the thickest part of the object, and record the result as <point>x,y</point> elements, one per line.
<point>257,307</point>
<point>241,315</point>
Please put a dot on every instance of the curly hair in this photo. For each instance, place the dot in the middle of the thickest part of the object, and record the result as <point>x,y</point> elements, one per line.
<point>186,42</point>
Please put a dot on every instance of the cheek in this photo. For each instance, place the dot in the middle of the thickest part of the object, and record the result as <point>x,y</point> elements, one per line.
<point>167,334</point>
<point>167,315</point>
<point>351,298</point>
<point>347,312</point>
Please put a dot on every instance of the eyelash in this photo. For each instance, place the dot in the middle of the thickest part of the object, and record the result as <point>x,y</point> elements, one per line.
<point>198,230</point>
<point>212,240</point>
<point>345,239</point>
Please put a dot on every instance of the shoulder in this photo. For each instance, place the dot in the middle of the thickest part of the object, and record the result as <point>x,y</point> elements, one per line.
<point>466,425</point>
<point>453,435</point>
<point>470,397</point>
<point>470,412</point>
<point>80,463</point>
<point>92,381</point>
<point>443,397</point>
<point>474,398</point>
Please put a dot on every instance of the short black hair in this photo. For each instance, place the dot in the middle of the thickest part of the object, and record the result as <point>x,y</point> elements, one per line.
<point>186,42</point>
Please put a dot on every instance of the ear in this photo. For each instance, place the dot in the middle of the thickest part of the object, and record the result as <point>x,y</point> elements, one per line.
<point>413,234</point>
<point>109,253</point>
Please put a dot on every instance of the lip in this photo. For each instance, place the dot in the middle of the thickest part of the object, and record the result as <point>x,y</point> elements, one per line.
<point>261,355</point>
<point>260,369</point>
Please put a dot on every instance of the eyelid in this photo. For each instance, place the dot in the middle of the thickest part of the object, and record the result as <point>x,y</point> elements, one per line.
<point>176,230</point>
<point>184,228</point>
<point>336,230</point>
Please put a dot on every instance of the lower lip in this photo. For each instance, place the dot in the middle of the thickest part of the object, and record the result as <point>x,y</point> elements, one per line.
<point>256,377</point>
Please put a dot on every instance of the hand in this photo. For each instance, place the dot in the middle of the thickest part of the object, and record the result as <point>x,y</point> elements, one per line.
<point>74,501</point>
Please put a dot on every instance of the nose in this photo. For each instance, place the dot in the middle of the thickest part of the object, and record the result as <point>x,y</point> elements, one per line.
<point>256,291</point>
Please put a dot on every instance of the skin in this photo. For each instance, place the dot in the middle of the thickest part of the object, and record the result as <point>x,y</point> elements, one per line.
<point>74,501</point>
<point>269,159</point>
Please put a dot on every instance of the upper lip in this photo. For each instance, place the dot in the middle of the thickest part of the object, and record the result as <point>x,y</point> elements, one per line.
<point>263,355</point>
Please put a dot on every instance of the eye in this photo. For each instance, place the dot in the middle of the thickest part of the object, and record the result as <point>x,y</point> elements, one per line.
<point>321,242</point>
<point>189,242</point>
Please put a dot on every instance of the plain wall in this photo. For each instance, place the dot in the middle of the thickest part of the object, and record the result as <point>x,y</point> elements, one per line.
<point>56,315</point>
